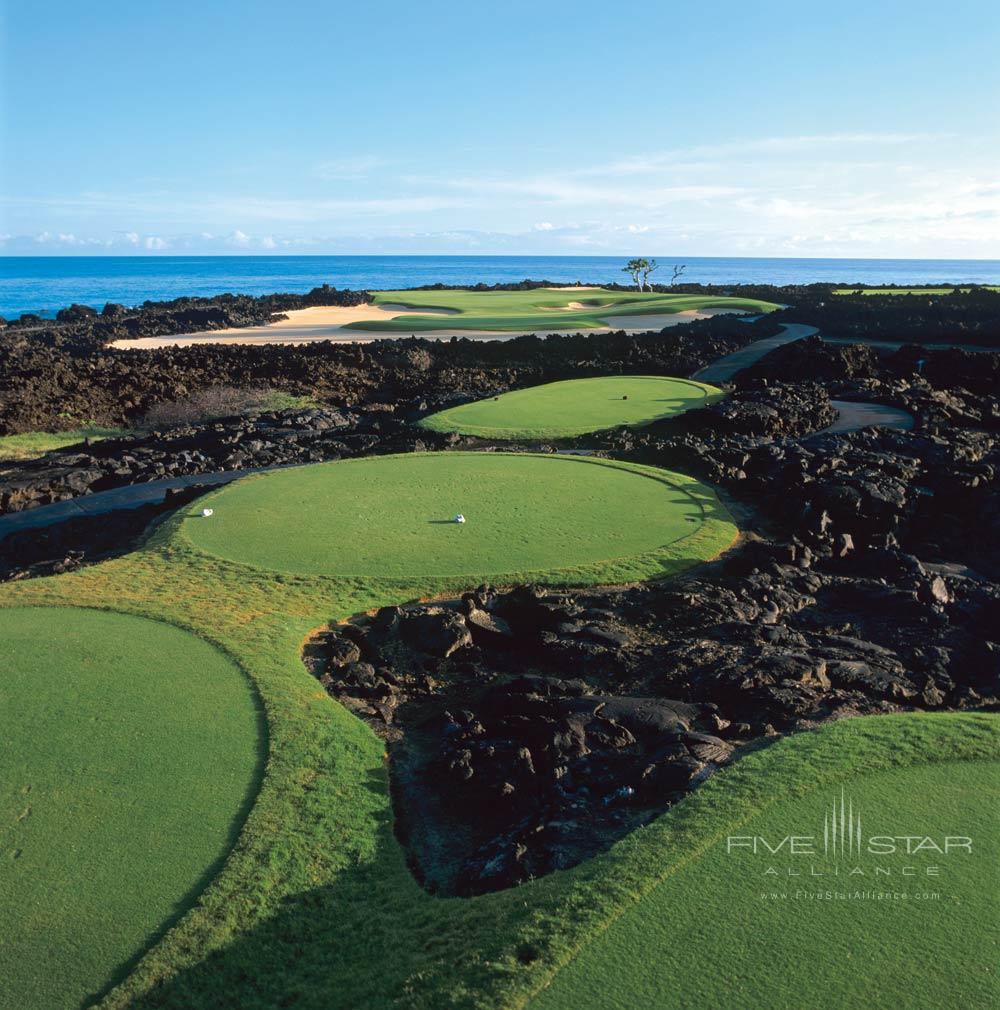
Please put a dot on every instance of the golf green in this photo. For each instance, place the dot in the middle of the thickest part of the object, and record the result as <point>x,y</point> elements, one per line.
<point>575,407</point>
<point>131,750</point>
<point>944,290</point>
<point>554,518</point>
<point>577,308</point>
<point>749,922</point>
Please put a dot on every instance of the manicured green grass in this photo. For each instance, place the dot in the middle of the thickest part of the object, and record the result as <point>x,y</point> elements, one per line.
<point>540,309</point>
<point>130,755</point>
<point>908,291</point>
<point>37,443</point>
<point>574,407</point>
<point>734,928</point>
<point>542,518</point>
<point>316,907</point>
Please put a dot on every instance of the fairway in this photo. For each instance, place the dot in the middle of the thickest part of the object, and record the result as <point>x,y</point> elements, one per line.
<point>116,801</point>
<point>37,443</point>
<point>758,931</point>
<point>913,291</point>
<point>575,407</point>
<point>543,309</point>
<point>479,315</point>
<point>560,518</point>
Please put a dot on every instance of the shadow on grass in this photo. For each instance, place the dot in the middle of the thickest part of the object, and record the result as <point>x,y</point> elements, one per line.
<point>372,940</point>
<point>351,944</point>
<point>185,903</point>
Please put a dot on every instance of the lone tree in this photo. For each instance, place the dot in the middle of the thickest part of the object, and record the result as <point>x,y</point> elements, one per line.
<point>648,268</point>
<point>678,270</point>
<point>633,267</point>
<point>640,269</point>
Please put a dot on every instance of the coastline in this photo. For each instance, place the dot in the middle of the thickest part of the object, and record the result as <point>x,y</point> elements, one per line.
<point>44,284</point>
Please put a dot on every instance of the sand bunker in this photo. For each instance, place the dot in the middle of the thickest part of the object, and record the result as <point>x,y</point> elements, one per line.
<point>322,322</point>
<point>575,307</point>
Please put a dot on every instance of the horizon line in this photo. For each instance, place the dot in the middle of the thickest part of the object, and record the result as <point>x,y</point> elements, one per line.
<point>469,255</point>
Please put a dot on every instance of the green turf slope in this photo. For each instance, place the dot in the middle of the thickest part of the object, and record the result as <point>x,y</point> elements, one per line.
<point>540,517</point>
<point>911,291</point>
<point>574,407</point>
<point>130,752</point>
<point>540,309</point>
<point>316,907</point>
<point>37,443</point>
<point>779,932</point>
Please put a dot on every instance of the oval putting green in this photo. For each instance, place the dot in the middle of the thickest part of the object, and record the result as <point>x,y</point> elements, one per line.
<point>544,517</point>
<point>575,407</point>
<point>131,750</point>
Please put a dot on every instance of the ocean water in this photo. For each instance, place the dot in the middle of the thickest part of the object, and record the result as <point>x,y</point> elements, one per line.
<point>45,284</point>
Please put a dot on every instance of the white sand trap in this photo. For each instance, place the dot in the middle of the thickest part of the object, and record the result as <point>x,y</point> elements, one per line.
<point>580,307</point>
<point>319,322</point>
<point>577,287</point>
<point>575,307</point>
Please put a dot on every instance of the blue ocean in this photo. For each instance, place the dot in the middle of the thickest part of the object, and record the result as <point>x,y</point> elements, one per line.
<point>45,284</point>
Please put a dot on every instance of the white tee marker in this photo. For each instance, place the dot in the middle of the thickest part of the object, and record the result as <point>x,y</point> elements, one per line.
<point>207,512</point>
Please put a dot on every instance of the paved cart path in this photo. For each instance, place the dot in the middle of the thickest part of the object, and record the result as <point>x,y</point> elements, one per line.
<point>853,417</point>
<point>725,368</point>
<point>131,496</point>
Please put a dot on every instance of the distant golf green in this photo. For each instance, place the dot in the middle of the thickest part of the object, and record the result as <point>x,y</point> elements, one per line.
<point>909,291</point>
<point>130,753</point>
<point>543,309</point>
<point>575,407</point>
<point>727,927</point>
<point>37,443</point>
<point>555,518</point>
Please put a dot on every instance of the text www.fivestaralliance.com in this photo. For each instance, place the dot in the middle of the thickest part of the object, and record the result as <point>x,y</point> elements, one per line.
<point>850,895</point>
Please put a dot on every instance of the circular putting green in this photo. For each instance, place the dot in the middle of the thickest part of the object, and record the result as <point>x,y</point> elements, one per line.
<point>549,518</point>
<point>131,750</point>
<point>575,407</point>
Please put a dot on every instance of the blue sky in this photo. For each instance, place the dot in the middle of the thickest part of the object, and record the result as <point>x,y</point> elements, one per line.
<point>774,128</point>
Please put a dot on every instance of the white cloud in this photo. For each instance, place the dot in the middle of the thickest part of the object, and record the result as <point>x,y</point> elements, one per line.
<point>878,194</point>
<point>350,168</point>
<point>789,147</point>
<point>560,190</point>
